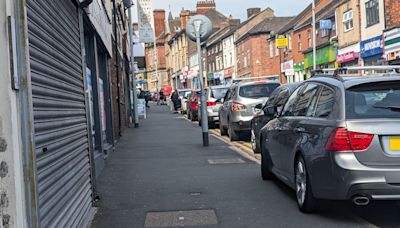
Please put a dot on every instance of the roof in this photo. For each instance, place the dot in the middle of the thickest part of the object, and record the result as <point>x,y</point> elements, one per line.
<point>266,26</point>
<point>216,17</point>
<point>220,35</point>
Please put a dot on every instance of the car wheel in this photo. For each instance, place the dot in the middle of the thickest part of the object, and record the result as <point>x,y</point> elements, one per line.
<point>253,140</point>
<point>266,166</point>
<point>233,135</point>
<point>304,196</point>
<point>221,128</point>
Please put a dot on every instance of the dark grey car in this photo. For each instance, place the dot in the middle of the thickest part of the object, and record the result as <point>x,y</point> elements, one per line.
<point>278,98</point>
<point>337,138</point>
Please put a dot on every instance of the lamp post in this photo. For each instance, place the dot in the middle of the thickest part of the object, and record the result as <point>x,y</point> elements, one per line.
<point>199,28</point>
<point>314,37</point>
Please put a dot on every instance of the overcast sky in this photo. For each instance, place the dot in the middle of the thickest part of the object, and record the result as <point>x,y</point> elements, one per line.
<point>236,8</point>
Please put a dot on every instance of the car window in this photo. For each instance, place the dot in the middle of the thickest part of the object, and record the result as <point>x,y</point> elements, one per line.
<point>373,100</point>
<point>218,93</point>
<point>305,104</point>
<point>257,90</point>
<point>326,101</point>
<point>273,99</point>
<point>287,109</point>
<point>283,97</point>
<point>228,95</point>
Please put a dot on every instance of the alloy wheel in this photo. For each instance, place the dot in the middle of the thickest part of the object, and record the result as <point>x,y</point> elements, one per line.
<point>301,182</point>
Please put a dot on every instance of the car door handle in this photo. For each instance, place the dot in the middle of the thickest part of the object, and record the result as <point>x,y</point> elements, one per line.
<point>300,130</point>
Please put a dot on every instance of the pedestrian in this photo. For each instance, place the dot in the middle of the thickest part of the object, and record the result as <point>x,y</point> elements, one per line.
<point>161,98</point>
<point>141,94</point>
<point>175,100</point>
<point>147,98</point>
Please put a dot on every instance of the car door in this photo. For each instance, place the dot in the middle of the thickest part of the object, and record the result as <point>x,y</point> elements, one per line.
<point>224,107</point>
<point>294,126</point>
<point>274,130</point>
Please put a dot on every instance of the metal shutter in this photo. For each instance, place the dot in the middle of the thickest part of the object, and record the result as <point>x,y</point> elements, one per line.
<point>61,137</point>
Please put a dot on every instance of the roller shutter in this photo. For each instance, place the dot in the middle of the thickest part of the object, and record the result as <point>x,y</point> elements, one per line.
<point>61,137</point>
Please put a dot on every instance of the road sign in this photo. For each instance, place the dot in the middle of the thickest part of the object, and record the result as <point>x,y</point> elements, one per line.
<point>205,28</point>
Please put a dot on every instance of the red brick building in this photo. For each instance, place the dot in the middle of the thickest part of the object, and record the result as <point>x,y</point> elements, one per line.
<point>392,13</point>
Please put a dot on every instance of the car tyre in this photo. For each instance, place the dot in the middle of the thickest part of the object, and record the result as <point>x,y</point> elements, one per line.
<point>233,135</point>
<point>304,196</point>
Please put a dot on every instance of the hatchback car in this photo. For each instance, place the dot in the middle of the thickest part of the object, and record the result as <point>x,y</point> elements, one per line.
<point>337,138</point>
<point>215,94</point>
<point>238,108</point>
<point>278,98</point>
<point>184,94</point>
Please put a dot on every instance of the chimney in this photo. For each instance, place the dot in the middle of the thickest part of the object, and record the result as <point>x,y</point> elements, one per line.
<point>185,14</point>
<point>253,11</point>
<point>159,21</point>
<point>234,22</point>
<point>203,6</point>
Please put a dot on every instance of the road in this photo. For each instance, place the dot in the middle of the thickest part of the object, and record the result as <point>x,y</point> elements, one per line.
<point>161,176</point>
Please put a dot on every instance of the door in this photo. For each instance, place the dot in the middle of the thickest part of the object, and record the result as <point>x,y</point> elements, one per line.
<point>60,121</point>
<point>294,126</point>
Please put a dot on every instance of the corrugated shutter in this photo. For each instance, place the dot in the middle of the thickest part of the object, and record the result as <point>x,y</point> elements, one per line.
<point>61,138</point>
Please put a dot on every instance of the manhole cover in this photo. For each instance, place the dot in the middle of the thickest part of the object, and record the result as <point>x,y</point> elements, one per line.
<point>181,218</point>
<point>225,161</point>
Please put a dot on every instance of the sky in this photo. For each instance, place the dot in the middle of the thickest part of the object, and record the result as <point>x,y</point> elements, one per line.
<point>236,8</point>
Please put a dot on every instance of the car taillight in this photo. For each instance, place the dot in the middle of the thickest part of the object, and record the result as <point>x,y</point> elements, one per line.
<point>343,140</point>
<point>238,107</point>
<point>211,103</point>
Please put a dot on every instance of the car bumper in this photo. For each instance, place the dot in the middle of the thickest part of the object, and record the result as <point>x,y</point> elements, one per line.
<point>348,178</point>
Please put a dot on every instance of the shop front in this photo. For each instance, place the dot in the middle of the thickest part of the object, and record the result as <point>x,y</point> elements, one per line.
<point>325,59</point>
<point>371,51</point>
<point>229,75</point>
<point>392,46</point>
<point>299,72</point>
<point>348,56</point>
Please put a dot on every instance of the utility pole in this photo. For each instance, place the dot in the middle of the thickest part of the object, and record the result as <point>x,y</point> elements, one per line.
<point>314,37</point>
<point>134,113</point>
<point>199,28</point>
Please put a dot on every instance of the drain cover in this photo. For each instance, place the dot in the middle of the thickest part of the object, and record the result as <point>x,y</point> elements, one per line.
<point>181,218</point>
<point>225,161</point>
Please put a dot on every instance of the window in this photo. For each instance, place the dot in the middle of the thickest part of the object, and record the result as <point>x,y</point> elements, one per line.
<point>325,32</point>
<point>348,21</point>
<point>271,49</point>
<point>245,61</point>
<point>290,41</point>
<point>299,45</point>
<point>372,12</point>
<point>248,59</point>
<point>305,103</point>
<point>257,90</point>
<point>309,40</point>
<point>325,103</point>
<point>277,52</point>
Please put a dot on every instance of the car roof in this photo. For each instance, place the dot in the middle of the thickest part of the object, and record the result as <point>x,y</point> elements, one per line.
<point>258,82</point>
<point>219,87</point>
<point>353,80</point>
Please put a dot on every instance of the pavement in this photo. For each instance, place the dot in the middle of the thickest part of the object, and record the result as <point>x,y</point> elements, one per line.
<point>161,176</point>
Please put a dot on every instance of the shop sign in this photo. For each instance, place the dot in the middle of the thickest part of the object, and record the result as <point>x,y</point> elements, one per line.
<point>228,73</point>
<point>98,17</point>
<point>219,75</point>
<point>288,67</point>
<point>298,67</point>
<point>210,75</point>
<point>392,44</point>
<point>324,55</point>
<point>371,47</point>
<point>145,17</point>
<point>281,41</point>
<point>346,57</point>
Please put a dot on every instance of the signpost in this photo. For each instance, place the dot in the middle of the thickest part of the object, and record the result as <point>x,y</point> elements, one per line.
<point>281,42</point>
<point>199,29</point>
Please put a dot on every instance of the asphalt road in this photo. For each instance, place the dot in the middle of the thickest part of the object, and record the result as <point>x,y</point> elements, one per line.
<point>161,176</point>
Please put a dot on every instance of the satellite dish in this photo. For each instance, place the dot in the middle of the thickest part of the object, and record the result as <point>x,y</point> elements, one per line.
<point>201,23</point>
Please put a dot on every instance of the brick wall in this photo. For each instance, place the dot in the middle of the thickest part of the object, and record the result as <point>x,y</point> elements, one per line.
<point>392,8</point>
<point>159,21</point>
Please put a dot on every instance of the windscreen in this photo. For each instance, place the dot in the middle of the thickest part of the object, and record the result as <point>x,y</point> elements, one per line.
<point>218,93</point>
<point>373,100</point>
<point>257,90</point>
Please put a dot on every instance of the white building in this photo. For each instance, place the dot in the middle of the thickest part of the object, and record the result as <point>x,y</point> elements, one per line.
<point>229,55</point>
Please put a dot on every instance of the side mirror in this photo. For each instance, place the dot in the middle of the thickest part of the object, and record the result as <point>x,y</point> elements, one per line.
<point>271,110</point>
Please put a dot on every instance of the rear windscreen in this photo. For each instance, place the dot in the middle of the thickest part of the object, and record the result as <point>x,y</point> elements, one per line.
<point>257,90</point>
<point>373,100</point>
<point>218,93</point>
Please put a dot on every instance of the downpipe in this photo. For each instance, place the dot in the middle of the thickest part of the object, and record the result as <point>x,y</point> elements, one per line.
<point>361,200</point>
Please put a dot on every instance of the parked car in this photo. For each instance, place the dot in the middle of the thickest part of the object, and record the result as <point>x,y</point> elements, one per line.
<point>278,98</point>
<point>215,94</point>
<point>337,138</point>
<point>237,110</point>
<point>184,94</point>
<point>193,105</point>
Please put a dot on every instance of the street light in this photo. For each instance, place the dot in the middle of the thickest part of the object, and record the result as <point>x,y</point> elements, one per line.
<point>314,37</point>
<point>199,29</point>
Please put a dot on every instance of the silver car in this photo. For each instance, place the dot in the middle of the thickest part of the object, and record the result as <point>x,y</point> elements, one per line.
<point>238,108</point>
<point>337,138</point>
<point>215,95</point>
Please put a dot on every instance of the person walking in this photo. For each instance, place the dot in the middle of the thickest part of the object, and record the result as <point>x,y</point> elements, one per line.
<point>175,100</point>
<point>147,98</point>
<point>161,98</point>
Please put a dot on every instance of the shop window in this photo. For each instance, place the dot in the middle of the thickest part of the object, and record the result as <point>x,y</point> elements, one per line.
<point>372,12</point>
<point>271,49</point>
<point>299,44</point>
<point>348,21</point>
<point>309,40</point>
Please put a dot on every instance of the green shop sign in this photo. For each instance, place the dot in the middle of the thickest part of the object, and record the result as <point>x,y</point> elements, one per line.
<point>324,55</point>
<point>298,67</point>
<point>210,75</point>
